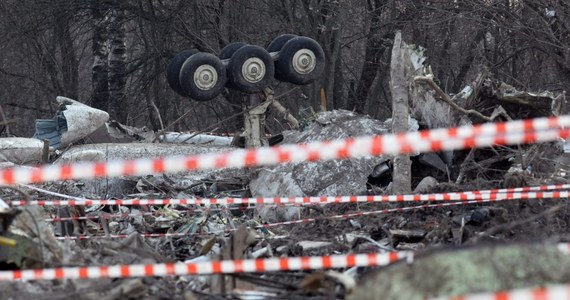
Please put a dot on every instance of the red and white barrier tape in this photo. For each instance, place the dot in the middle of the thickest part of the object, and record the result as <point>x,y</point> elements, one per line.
<point>189,211</point>
<point>217,267</point>
<point>374,212</point>
<point>507,194</point>
<point>84,201</point>
<point>300,221</point>
<point>105,216</point>
<point>293,222</point>
<point>459,196</point>
<point>210,267</point>
<point>205,210</point>
<point>108,216</point>
<point>553,292</point>
<point>516,132</point>
<point>124,236</point>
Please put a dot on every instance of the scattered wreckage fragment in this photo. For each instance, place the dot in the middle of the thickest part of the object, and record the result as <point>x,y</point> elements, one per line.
<point>73,121</point>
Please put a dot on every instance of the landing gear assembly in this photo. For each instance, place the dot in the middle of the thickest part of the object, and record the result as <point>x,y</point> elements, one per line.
<point>249,69</point>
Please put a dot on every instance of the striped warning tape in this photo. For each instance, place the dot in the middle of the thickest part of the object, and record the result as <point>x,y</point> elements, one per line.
<point>543,129</point>
<point>459,196</point>
<point>300,221</point>
<point>105,216</point>
<point>374,212</point>
<point>296,200</point>
<point>144,235</point>
<point>293,222</point>
<point>507,194</point>
<point>553,292</point>
<point>209,267</point>
<point>188,211</point>
<point>217,267</point>
<point>109,216</point>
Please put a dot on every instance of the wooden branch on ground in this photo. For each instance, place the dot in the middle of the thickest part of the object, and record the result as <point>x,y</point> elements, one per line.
<point>463,168</point>
<point>8,122</point>
<point>429,80</point>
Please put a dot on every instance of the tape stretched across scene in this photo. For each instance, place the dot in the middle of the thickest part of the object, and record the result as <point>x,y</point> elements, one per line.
<point>508,133</point>
<point>208,210</point>
<point>219,267</point>
<point>209,267</point>
<point>292,222</point>
<point>507,190</point>
<point>457,196</point>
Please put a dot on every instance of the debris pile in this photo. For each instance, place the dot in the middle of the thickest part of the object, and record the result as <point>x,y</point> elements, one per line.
<point>63,234</point>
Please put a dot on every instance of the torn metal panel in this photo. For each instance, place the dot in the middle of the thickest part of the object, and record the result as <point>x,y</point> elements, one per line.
<point>73,121</point>
<point>328,178</point>
<point>113,151</point>
<point>21,150</point>
<point>128,133</point>
<point>196,139</point>
<point>433,159</point>
<point>51,129</point>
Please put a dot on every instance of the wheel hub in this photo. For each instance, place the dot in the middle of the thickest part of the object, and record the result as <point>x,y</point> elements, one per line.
<point>253,70</point>
<point>205,77</point>
<point>304,61</point>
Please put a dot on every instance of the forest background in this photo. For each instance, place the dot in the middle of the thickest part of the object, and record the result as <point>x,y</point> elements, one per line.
<point>113,54</point>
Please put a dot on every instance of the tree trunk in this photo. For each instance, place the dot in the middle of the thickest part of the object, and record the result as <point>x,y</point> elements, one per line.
<point>468,60</point>
<point>373,53</point>
<point>69,63</point>
<point>329,38</point>
<point>339,98</point>
<point>399,85</point>
<point>117,66</point>
<point>100,49</point>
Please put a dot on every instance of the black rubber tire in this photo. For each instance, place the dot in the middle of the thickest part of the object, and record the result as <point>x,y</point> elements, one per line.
<point>227,53</point>
<point>173,70</point>
<point>275,46</point>
<point>191,65</point>
<point>235,77</point>
<point>230,49</point>
<point>284,64</point>
<point>278,42</point>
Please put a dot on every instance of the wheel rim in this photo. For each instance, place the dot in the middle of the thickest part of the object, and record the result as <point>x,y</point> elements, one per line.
<point>205,77</point>
<point>253,70</point>
<point>304,61</point>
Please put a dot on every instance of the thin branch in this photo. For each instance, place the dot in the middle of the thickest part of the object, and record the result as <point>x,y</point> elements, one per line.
<point>429,80</point>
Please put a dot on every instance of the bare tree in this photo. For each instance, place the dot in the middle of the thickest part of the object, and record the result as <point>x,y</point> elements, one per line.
<point>118,108</point>
<point>112,54</point>
<point>100,50</point>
